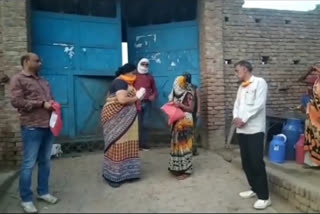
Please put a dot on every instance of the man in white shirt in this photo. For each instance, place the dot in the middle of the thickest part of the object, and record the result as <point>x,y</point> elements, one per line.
<point>249,116</point>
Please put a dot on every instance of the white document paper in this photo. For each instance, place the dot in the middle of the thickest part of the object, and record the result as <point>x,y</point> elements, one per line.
<point>53,119</point>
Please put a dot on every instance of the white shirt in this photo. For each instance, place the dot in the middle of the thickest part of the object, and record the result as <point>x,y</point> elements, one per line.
<point>250,106</point>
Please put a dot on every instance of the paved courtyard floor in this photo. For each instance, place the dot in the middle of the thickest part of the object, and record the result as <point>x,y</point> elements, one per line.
<point>213,187</point>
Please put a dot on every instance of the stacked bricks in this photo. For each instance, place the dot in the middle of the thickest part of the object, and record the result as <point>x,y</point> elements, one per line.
<point>13,43</point>
<point>210,16</point>
<point>302,197</point>
<point>288,40</point>
<point>291,41</point>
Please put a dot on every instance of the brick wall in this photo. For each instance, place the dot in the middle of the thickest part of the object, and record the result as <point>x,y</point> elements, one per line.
<point>212,71</point>
<point>283,36</point>
<point>13,43</point>
<point>230,32</point>
<point>304,198</point>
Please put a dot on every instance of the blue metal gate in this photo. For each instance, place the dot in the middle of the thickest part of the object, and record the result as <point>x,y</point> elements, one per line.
<point>172,49</point>
<point>80,55</point>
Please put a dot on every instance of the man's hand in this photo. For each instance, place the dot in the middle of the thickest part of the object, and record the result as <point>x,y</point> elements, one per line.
<point>47,105</point>
<point>198,114</point>
<point>238,122</point>
<point>241,123</point>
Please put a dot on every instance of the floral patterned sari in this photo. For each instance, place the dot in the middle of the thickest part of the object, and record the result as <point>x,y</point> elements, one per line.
<point>312,130</point>
<point>182,135</point>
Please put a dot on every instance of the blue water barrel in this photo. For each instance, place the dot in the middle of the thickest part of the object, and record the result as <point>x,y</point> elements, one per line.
<point>277,148</point>
<point>292,129</point>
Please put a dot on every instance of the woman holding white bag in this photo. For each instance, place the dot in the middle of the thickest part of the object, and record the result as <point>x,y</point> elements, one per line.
<point>120,129</point>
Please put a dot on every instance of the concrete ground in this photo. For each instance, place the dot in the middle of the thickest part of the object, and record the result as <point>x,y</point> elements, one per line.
<point>302,173</point>
<point>7,177</point>
<point>213,187</point>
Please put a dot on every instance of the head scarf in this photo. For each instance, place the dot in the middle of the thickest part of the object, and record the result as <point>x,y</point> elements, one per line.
<point>180,89</point>
<point>123,73</point>
<point>129,79</point>
<point>142,69</point>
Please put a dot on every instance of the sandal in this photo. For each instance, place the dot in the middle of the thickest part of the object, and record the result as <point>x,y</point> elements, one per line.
<point>111,183</point>
<point>114,184</point>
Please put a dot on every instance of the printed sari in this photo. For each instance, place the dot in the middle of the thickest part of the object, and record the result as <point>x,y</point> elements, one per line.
<point>120,130</point>
<point>182,134</point>
<point>312,130</point>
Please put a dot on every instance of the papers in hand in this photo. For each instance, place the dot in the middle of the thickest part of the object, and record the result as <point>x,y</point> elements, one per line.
<point>53,119</point>
<point>141,93</point>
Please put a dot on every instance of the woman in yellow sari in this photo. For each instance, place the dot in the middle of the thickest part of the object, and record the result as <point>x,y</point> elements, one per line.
<point>120,129</point>
<point>182,136</point>
<point>312,130</point>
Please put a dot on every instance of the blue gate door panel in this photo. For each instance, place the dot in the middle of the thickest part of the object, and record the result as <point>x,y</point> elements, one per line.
<point>49,28</point>
<point>172,50</point>
<point>90,98</point>
<point>55,58</point>
<point>98,61</point>
<point>80,55</point>
<point>164,37</point>
<point>97,33</point>
<point>99,48</point>
<point>169,62</point>
<point>61,94</point>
